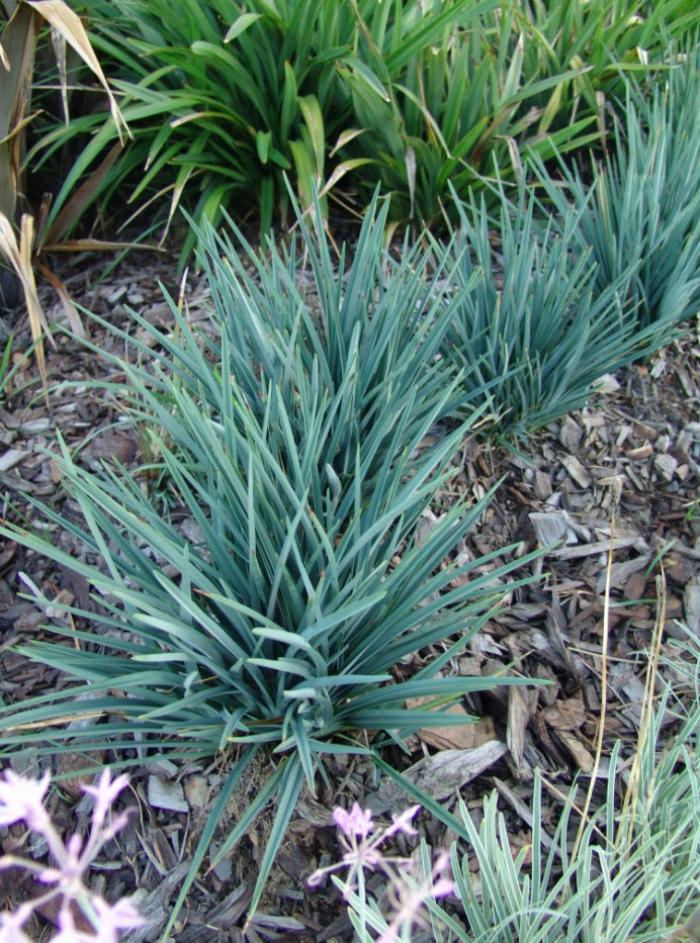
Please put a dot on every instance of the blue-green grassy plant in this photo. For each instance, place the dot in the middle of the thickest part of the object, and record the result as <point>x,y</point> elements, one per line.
<point>531,325</point>
<point>300,459</point>
<point>632,877</point>
<point>639,217</point>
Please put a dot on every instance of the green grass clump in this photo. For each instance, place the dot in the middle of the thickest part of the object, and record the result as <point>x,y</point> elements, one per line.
<point>272,629</point>
<point>532,328</point>
<point>630,873</point>
<point>639,217</point>
<point>224,98</point>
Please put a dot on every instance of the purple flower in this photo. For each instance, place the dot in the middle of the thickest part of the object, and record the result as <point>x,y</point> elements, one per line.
<point>105,792</point>
<point>402,823</point>
<point>114,917</point>
<point>357,823</point>
<point>108,920</point>
<point>68,873</point>
<point>11,926</point>
<point>68,932</point>
<point>361,840</point>
<point>411,899</point>
<point>22,798</point>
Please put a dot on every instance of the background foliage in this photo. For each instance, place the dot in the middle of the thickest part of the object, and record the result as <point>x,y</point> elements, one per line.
<point>225,98</point>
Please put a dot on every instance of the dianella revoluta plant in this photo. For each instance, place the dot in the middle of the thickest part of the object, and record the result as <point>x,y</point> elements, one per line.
<point>530,319</point>
<point>365,327</point>
<point>639,217</point>
<point>368,324</point>
<point>253,603</point>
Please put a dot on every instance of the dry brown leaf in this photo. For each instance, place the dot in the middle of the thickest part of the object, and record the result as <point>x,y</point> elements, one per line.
<point>69,308</point>
<point>80,199</point>
<point>581,756</point>
<point>111,446</point>
<point>58,42</point>
<point>566,714</point>
<point>79,770</point>
<point>197,792</point>
<point>69,25</point>
<point>20,258</point>
<point>472,734</point>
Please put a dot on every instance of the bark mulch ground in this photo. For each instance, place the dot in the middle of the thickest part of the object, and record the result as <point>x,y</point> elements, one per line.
<point>619,477</point>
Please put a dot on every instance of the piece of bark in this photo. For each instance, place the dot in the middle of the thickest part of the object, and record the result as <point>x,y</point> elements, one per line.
<point>552,527</point>
<point>566,714</point>
<point>518,719</point>
<point>578,751</point>
<point>440,775</point>
<point>576,471</point>
<point>570,434</point>
<point>691,604</point>
<point>598,546</point>
<point>163,794</point>
<point>666,465</point>
<point>620,572</point>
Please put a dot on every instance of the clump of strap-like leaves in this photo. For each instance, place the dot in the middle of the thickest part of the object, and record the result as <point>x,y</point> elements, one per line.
<point>639,217</point>
<point>255,603</point>
<point>532,327</point>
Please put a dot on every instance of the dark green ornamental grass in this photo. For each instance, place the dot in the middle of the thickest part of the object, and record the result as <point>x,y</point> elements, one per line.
<point>225,98</point>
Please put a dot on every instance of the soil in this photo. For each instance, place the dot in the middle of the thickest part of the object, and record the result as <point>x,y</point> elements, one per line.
<point>612,491</point>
